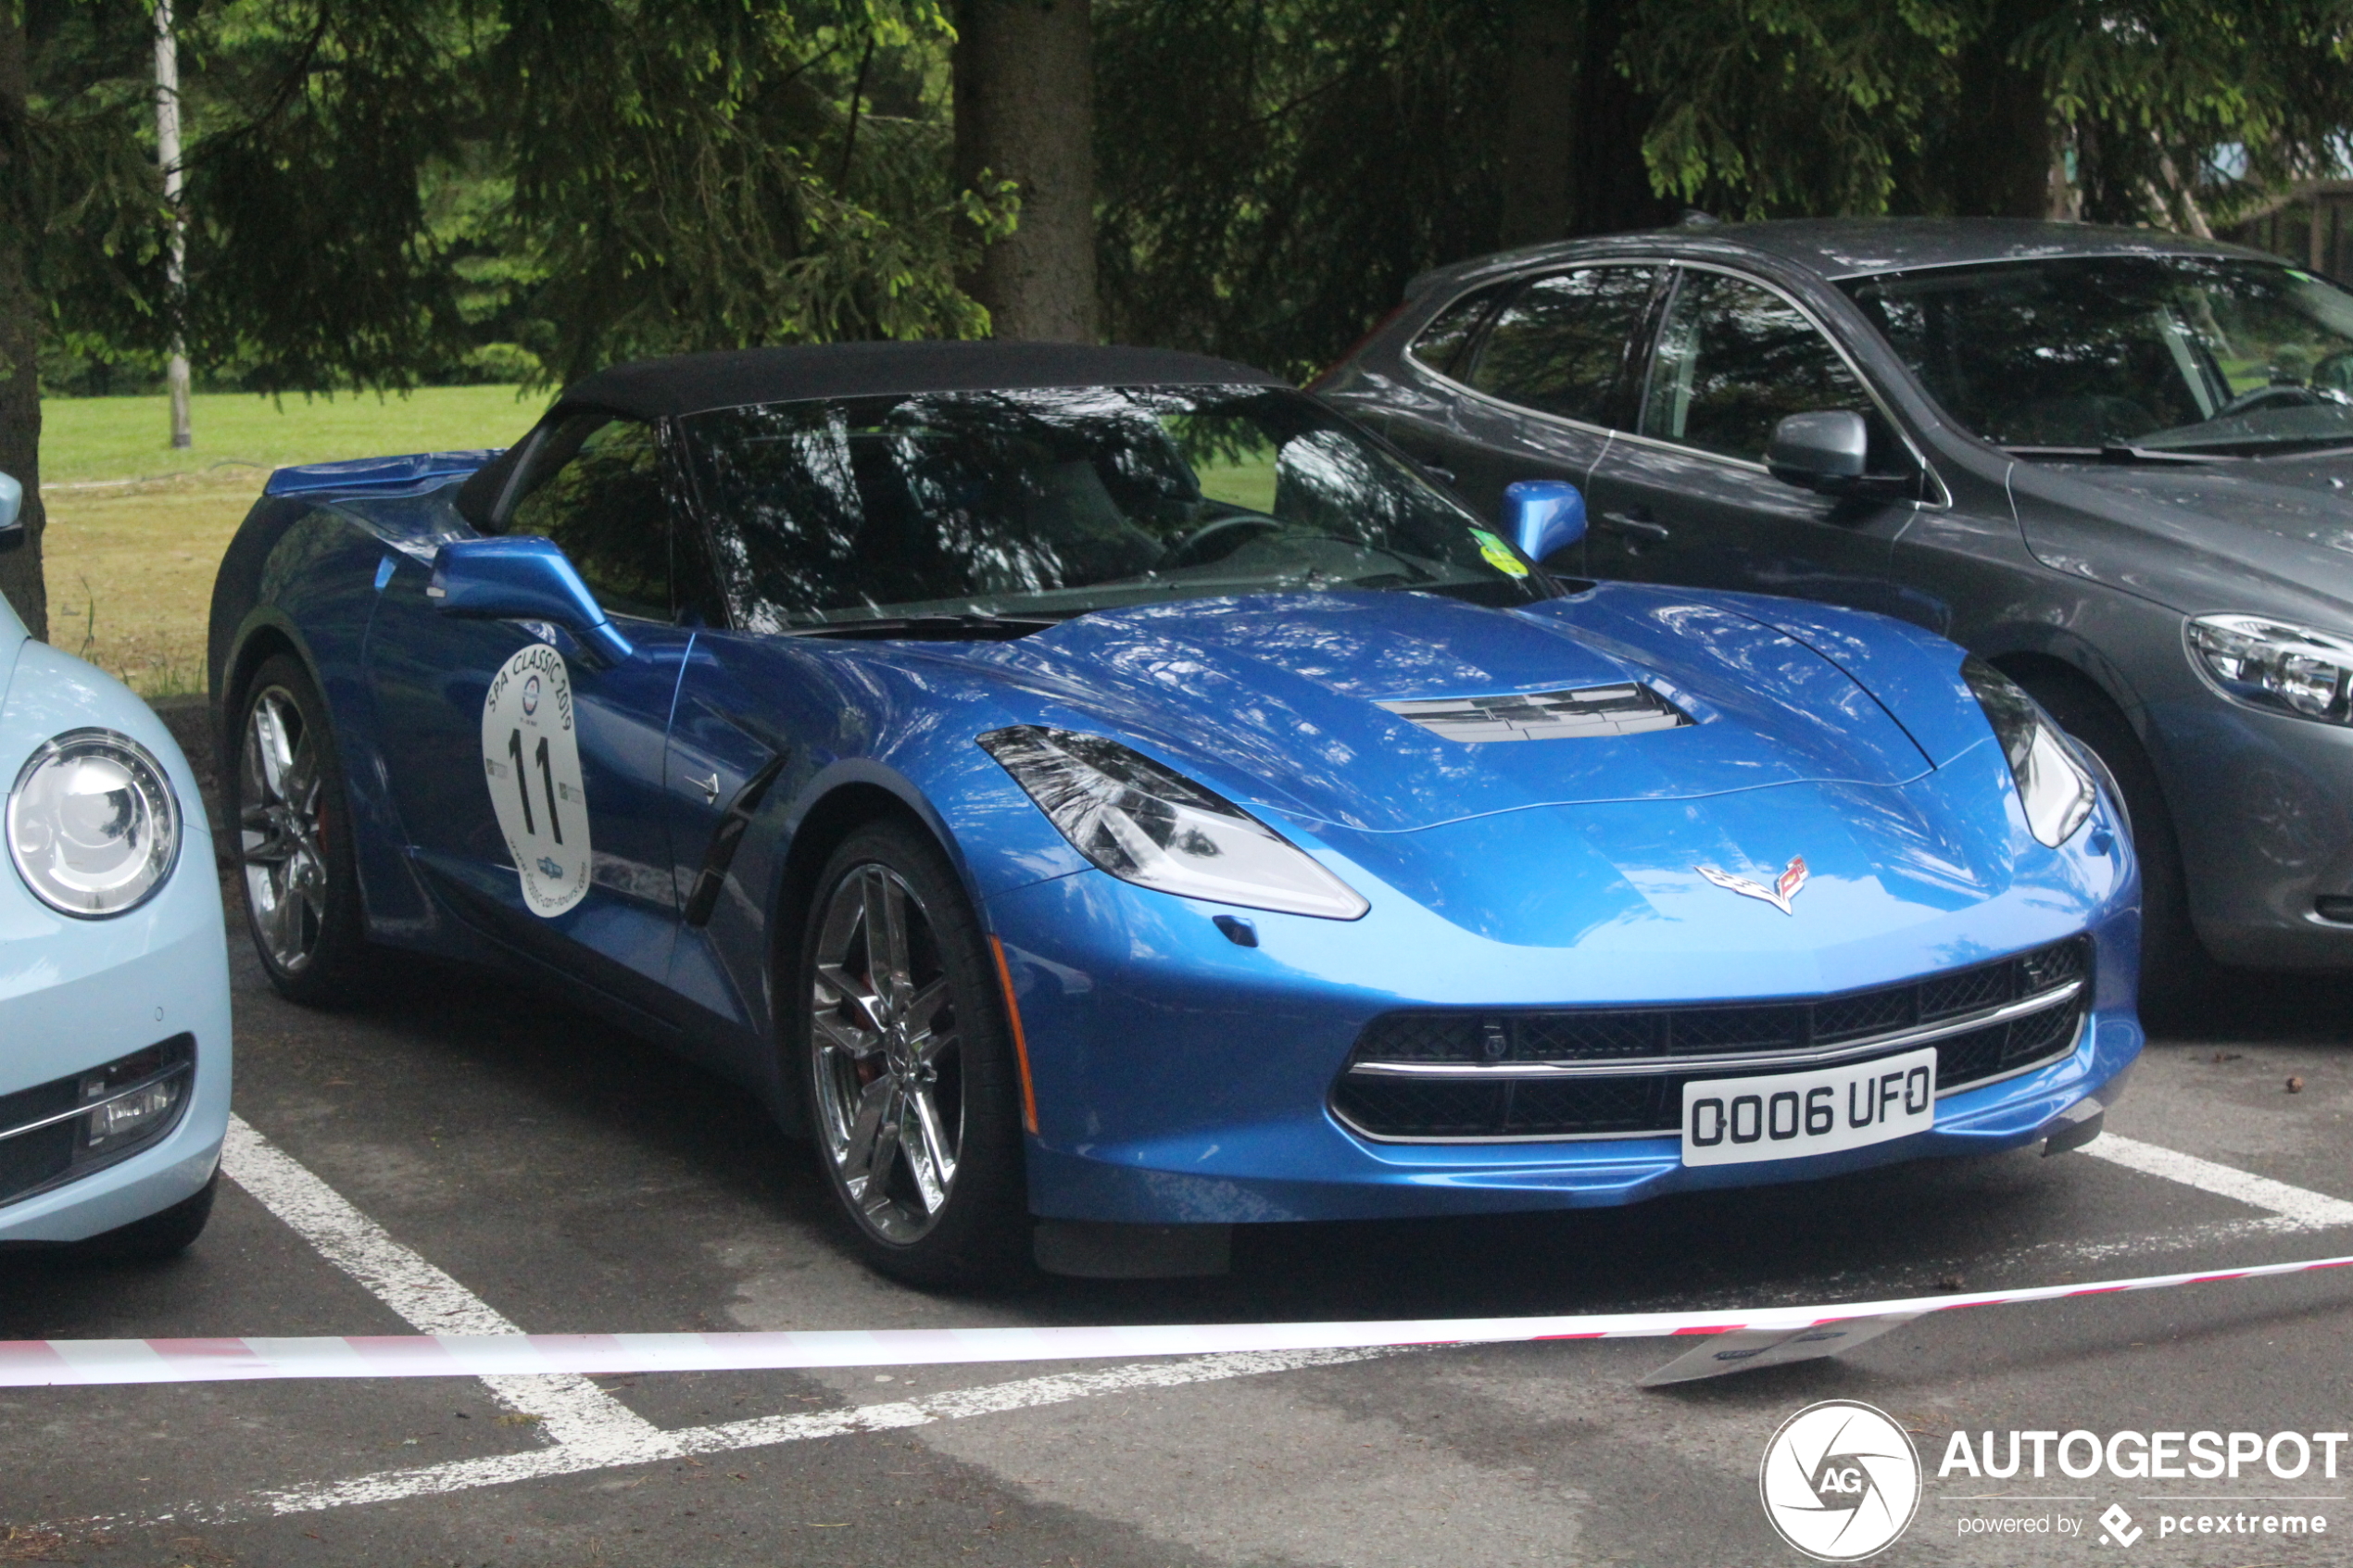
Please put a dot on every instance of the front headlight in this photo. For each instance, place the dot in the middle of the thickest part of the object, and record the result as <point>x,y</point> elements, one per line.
<point>93,824</point>
<point>1155,828</point>
<point>2271,665</point>
<point>2052,785</point>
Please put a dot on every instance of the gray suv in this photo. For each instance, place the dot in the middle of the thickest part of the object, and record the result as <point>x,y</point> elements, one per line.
<point>2113,462</point>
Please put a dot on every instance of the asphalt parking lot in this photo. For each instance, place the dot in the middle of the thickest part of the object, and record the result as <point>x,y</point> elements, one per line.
<point>458,1155</point>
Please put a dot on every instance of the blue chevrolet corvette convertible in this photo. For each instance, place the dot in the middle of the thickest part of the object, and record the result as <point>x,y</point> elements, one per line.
<point>1105,796</point>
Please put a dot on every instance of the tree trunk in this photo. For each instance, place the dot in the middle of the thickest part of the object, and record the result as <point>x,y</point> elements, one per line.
<point>20,332</point>
<point>1025,87</point>
<point>2000,162</point>
<point>1612,184</point>
<point>1542,93</point>
<point>175,368</point>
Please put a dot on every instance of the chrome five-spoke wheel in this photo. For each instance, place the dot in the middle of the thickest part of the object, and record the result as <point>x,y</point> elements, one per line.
<point>294,841</point>
<point>280,823</point>
<point>887,1055</point>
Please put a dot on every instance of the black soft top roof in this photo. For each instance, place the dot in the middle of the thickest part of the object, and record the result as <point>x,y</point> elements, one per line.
<point>688,384</point>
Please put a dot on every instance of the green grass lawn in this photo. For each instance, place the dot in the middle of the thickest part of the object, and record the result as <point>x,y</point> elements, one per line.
<point>87,439</point>
<point>136,529</point>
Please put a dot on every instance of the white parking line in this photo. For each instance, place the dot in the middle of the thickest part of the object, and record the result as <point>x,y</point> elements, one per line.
<point>571,1459</point>
<point>2306,1209</point>
<point>570,1409</point>
<point>591,1430</point>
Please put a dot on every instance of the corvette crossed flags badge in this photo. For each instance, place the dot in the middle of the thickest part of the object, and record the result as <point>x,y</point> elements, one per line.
<point>1784,889</point>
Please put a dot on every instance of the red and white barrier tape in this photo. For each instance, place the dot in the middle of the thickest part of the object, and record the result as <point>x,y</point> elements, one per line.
<point>41,1362</point>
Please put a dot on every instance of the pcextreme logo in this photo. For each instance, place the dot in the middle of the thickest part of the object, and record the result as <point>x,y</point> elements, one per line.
<point>1841,1481</point>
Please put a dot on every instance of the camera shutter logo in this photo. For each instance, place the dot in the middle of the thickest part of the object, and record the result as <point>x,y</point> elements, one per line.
<point>1841,1481</point>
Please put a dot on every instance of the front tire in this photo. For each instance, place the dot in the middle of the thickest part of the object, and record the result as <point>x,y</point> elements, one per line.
<point>909,1072</point>
<point>286,795</point>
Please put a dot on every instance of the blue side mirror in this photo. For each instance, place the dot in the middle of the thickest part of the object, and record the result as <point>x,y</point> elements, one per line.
<point>522,578</point>
<point>1543,516</point>
<point>11,513</point>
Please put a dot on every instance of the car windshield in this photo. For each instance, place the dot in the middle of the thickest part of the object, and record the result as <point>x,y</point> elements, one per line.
<point>2187,355</point>
<point>1050,503</point>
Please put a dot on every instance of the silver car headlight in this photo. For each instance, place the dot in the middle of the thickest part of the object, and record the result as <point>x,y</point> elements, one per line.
<point>2273,665</point>
<point>2054,788</point>
<point>1148,825</point>
<point>94,826</point>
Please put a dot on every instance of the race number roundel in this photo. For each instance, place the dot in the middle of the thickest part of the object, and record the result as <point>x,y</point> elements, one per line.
<point>530,760</point>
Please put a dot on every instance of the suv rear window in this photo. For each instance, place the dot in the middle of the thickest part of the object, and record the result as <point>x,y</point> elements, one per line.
<point>1559,345</point>
<point>1440,346</point>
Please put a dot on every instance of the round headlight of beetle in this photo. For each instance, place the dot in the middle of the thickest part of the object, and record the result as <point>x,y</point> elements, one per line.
<point>94,827</point>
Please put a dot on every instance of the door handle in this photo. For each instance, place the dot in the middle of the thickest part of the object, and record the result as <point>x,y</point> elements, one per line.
<point>1641,527</point>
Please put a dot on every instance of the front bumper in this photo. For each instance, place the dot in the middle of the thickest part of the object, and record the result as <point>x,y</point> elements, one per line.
<point>2262,804</point>
<point>178,985</point>
<point>1181,1078</point>
<point>78,994</point>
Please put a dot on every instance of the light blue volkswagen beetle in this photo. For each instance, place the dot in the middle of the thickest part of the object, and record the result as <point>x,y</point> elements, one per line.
<point>114,971</point>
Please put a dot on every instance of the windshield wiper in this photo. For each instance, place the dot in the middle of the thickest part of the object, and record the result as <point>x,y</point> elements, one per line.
<point>966,626</point>
<point>2333,447</point>
<point>2125,452</point>
<point>2115,452</point>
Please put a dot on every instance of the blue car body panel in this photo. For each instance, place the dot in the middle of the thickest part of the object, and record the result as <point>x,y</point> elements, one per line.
<point>1181,1076</point>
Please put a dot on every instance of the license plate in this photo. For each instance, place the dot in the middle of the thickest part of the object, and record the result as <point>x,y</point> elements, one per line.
<point>1790,1115</point>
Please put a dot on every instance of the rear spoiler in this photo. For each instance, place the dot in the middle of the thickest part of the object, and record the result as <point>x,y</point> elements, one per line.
<point>377,473</point>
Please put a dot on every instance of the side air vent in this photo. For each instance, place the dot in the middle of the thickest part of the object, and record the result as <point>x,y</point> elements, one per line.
<point>1626,709</point>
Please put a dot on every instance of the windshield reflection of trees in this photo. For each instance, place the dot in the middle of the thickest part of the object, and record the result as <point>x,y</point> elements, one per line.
<point>1061,500</point>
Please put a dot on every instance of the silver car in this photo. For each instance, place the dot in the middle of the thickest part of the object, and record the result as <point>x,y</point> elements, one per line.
<point>2113,462</point>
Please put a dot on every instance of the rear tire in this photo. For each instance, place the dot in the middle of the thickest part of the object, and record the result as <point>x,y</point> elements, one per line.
<point>159,1236</point>
<point>285,792</point>
<point>2177,975</point>
<point>908,1068</point>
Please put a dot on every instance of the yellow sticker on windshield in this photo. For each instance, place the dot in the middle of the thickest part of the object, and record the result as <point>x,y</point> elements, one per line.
<point>1499,555</point>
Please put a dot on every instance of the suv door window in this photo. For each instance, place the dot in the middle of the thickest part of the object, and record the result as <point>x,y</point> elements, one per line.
<point>1559,344</point>
<point>597,491</point>
<point>1734,359</point>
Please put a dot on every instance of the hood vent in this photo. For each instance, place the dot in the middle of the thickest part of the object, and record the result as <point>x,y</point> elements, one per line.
<point>1624,709</point>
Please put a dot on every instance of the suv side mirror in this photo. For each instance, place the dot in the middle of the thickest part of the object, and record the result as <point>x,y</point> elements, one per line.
<point>11,513</point>
<point>522,577</point>
<point>1543,516</point>
<point>1828,451</point>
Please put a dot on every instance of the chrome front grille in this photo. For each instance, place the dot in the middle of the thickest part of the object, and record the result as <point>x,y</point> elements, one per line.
<point>1464,1075</point>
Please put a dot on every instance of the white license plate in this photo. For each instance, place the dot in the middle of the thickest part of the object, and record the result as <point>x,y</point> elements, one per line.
<point>1790,1115</point>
